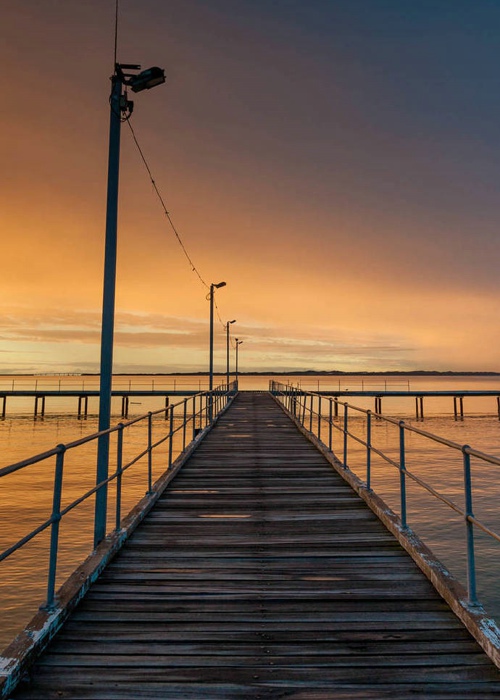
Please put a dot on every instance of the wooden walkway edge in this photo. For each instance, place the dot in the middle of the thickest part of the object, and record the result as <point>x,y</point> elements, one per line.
<point>260,573</point>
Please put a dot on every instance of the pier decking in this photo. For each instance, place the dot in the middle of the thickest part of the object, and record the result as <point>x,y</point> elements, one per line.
<point>261,574</point>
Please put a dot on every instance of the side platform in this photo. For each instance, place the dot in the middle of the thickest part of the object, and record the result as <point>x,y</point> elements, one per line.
<point>260,573</point>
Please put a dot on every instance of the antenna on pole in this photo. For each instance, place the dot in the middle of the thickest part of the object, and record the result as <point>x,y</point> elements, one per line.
<point>116,32</point>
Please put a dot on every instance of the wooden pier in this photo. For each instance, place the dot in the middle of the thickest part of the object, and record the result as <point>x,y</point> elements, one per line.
<point>261,574</point>
<point>83,396</point>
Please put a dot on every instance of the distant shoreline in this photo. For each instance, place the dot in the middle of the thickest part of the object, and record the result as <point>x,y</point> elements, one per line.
<point>295,373</point>
<point>306,373</point>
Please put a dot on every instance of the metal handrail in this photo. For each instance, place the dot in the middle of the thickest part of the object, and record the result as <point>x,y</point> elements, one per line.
<point>300,404</point>
<point>204,405</point>
<point>41,384</point>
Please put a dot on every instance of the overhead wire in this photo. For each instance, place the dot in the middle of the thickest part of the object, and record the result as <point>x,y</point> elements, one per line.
<point>169,218</point>
<point>165,210</point>
<point>155,187</point>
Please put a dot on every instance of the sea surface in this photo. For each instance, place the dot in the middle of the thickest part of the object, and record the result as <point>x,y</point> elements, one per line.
<point>26,497</point>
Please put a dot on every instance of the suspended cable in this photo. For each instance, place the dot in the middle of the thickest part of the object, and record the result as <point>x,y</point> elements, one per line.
<point>165,210</point>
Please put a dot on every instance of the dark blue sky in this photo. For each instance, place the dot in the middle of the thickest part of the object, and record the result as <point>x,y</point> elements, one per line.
<point>337,162</point>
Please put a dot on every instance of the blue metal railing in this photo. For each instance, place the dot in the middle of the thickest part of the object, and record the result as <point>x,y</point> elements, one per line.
<point>193,412</point>
<point>308,409</point>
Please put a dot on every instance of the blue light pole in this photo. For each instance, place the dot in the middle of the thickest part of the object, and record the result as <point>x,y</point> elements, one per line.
<point>213,287</point>
<point>121,108</point>
<point>227,351</point>
<point>238,343</point>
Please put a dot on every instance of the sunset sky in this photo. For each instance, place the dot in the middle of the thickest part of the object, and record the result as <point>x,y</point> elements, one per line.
<point>336,162</point>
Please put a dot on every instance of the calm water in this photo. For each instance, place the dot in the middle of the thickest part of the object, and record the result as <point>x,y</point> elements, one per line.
<point>25,498</point>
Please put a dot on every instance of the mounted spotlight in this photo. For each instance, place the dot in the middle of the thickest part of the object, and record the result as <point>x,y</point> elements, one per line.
<point>147,79</point>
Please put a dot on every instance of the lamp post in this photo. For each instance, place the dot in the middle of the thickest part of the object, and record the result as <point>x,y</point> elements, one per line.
<point>121,108</point>
<point>227,351</point>
<point>213,287</point>
<point>238,343</point>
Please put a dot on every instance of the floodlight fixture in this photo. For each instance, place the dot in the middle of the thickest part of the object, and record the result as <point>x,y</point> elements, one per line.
<point>147,79</point>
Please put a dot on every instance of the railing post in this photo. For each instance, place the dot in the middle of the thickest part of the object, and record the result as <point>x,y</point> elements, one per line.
<point>402,472</point>
<point>311,414</point>
<point>330,424</point>
<point>368,449</point>
<point>210,407</point>
<point>150,452</point>
<point>119,471</point>
<point>346,407</point>
<point>194,417</point>
<point>319,418</point>
<point>471,564</point>
<point>54,532</point>
<point>171,432</point>
<point>184,425</point>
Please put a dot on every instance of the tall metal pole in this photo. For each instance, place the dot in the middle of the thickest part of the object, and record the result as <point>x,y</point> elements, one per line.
<point>227,355</point>
<point>236,363</point>
<point>227,351</point>
<point>108,308</point>
<point>211,360</point>
<point>238,343</point>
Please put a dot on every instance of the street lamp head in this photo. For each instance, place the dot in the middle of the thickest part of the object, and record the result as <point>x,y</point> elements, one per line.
<point>218,286</point>
<point>233,321</point>
<point>147,79</point>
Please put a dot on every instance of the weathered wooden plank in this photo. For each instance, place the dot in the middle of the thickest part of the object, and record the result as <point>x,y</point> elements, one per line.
<point>263,691</point>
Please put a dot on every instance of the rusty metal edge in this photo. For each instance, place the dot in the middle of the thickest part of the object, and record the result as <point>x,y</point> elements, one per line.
<point>34,638</point>
<point>481,626</point>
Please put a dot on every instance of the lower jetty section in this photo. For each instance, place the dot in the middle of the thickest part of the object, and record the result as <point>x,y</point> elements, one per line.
<point>261,574</point>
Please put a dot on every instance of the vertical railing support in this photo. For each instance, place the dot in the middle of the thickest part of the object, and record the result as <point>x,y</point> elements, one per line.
<point>311,409</point>
<point>184,421</point>
<point>150,453</point>
<point>368,449</point>
<point>54,532</point>
<point>471,564</point>
<point>402,473</point>
<point>119,472</point>
<point>319,418</point>
<point>194,417</point>
<point>345,428</point>
<point>171,434</point>
<point>330,424</point>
